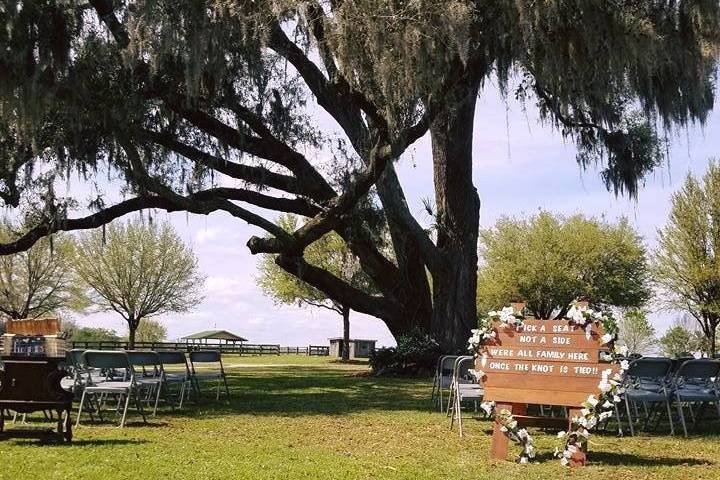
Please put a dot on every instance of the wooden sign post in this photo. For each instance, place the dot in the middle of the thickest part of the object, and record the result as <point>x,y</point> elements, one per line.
<point>548,362</point>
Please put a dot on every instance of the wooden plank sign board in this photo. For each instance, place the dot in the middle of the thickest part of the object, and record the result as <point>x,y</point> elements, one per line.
<point>549,362</point>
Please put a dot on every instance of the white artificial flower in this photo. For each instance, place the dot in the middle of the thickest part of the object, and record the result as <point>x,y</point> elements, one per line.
<point>588,331</point>
<point>605,339</point>
<point>616,399</point>
<point>604,386</point>
<point>483,359</point>
<point>592,400</point>
<point>624,365</point>
<point>503,429</point>
<point>487,407</point>
<point>564,461</point>
<point>584,412</point>
<point>605,415</point>
<point>621,350</point>
<point>607,404</point>
<point>530,450</point>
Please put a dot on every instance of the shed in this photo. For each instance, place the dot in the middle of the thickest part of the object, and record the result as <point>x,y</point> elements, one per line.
<point>358,348</point>
<point>220,335</point>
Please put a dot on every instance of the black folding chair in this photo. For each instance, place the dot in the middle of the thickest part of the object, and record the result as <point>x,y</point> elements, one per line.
<point>647,381</point>
<point>696,382</point>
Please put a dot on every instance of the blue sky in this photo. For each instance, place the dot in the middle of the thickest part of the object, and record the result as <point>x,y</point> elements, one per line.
<point>520,166</point>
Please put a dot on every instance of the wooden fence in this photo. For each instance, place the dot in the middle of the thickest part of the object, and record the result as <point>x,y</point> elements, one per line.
<point>239,349</point>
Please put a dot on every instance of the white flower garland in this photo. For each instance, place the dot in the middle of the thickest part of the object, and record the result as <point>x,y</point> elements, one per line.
<point>594,410</point>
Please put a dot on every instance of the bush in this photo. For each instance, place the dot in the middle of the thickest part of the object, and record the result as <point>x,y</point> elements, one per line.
<point>383,359</point>
<point>416,352</point>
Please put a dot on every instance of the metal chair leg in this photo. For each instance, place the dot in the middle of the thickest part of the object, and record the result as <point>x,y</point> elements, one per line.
<point>619,422</point>
<point>227,389</point>
<point>682,415</point>
<point>157,398</point>
<point>82,401</point>
<point>669,411</point>
<point>459,411</point>
<point>630,420</point>
<point>124,415</point>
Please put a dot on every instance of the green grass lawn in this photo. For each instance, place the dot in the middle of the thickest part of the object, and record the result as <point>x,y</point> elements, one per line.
<point>298,417</point>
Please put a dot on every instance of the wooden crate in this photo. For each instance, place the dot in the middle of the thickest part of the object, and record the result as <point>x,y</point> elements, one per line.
<point>33,326</point>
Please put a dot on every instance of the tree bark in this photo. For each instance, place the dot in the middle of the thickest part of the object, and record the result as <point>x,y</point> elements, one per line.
<point>132,327</point>
<point>458,214</point>
<point>413,289</point>
<point>346,334</point>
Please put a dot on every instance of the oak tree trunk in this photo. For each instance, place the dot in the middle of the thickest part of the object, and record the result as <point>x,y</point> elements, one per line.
<point>413,291</point>
<point>457,220</point>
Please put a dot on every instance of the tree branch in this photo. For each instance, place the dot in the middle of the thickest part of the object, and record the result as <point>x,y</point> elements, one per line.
<point>256,175</point>
<point>337,289</point>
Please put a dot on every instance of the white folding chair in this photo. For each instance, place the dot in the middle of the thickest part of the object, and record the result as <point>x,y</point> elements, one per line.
<point>442,379</point>
<point>180,376</point>
<point>125,388</point>
<point>463,388</point>
<point>150,381</point>
<point>213,370</point>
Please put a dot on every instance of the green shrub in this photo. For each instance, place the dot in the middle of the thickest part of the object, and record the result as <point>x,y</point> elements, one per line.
<point>416,352</point>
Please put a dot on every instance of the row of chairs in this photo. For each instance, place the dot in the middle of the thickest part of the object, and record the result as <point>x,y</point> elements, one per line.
<point>690,384</point>
<point>142,376</point>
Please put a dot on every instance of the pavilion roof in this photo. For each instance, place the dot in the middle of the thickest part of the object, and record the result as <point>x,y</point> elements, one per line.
<point>215,335</point>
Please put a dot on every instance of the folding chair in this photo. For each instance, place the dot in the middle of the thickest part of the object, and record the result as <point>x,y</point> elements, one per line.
<point>182,376</point>
<point>111,361</point>
<point>696,382</point>
<point>150,381</point>
<point>442,378</point>
<point>217,372</point>
<point>74,382</point>
<point>462,388</point>
<point>646,381</point>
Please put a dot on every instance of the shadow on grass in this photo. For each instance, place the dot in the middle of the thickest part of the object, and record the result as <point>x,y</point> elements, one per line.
<point>629,459</point>
<point>81,443</point>
<point>309,391</point>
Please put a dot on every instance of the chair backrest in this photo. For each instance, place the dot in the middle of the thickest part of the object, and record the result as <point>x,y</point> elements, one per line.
<point>205,356</point>
<point>446,365</point>
<point>105,359</point>
<point>74,357</point>
<point>649,367</point>
<point>703,368</point>
<point>143,358</point>
<point>172,357</point>
<point>679,361</point>
<point>463,364</point>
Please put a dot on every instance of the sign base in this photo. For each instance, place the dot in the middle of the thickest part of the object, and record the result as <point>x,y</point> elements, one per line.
<point>500,442</point>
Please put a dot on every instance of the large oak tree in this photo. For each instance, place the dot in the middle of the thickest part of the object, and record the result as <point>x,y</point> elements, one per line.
<point>168,98</point>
